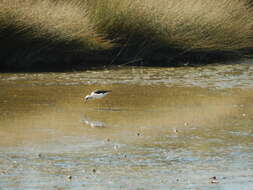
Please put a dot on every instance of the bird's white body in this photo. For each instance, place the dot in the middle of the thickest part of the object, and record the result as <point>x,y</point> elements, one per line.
<point>93,95</point>
<point>97,94</point>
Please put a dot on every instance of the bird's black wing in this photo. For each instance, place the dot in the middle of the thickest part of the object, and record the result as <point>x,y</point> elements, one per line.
<point>101,91</point>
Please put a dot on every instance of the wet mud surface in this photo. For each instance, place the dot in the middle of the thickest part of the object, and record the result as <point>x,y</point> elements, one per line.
<point>160,128</point>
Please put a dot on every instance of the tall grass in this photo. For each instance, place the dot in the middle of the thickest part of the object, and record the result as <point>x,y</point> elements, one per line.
<point>209,27</point>
<point>40,32</point>
<point>58,33</point>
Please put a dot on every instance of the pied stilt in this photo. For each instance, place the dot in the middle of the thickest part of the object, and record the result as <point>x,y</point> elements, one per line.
<point>97,94</point>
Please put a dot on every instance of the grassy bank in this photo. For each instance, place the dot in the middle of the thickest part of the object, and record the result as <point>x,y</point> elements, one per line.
<point>46,34</point>
<point>71,33</point>
<point>192,29</point>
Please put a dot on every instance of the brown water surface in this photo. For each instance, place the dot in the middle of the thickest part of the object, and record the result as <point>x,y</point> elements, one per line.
<point>160,128</point>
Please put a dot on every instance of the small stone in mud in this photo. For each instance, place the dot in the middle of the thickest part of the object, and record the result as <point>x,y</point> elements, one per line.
<point>175,131</point>
<point>15,164</point>
<point>69,177</point>
<point>116,147</point>
<point>214,180</point>
<point>3,172</point>
<point>94,170</point>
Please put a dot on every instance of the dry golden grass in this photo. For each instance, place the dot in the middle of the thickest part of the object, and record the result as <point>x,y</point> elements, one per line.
<point>46,34</point>
<point>142,28</point>
<point>65,21</point>
<point>198,25</point>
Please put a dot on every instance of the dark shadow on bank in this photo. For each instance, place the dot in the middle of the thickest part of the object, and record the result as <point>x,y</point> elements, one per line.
<point>18,53</point>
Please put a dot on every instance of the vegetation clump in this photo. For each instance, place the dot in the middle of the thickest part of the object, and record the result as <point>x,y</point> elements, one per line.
<point>179,28</point>
<point>81,33</point>
<point>46,34</point>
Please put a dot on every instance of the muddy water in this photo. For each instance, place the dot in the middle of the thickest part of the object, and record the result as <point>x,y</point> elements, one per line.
<point>160,128</point>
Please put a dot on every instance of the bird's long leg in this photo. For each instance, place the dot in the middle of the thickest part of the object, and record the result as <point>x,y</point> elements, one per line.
<point>107,105</point>
<point>99,107</point>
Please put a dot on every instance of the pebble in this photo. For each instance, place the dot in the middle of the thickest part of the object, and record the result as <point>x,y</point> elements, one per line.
<point>69,177</point>
<point>3,172</point>
<point>175,131</point>
<point>214,180</point>
<point>116,147</point>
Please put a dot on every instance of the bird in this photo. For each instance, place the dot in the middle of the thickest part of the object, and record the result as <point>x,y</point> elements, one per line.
<point>97,94</point>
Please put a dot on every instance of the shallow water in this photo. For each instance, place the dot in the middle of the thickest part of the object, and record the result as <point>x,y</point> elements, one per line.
<point>160,128</point>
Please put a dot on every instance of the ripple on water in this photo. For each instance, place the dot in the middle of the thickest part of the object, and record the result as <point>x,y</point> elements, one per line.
<point>214,76</point>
